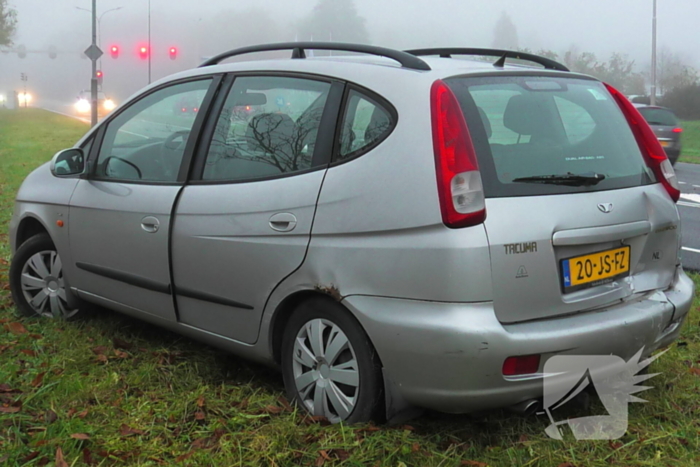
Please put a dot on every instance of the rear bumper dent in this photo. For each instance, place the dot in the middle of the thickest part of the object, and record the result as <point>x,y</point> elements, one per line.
<point>449,356</point>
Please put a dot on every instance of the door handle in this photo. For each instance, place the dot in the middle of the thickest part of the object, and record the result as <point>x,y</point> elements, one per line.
<point>150,224</point>
<point>283,222</point>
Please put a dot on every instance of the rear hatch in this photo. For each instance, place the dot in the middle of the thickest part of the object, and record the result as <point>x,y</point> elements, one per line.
<point>575,215</point>
<point>665,126</point>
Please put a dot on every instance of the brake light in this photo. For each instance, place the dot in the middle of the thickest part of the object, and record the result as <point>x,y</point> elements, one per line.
<point>523,365</point>
<point>460,188</point>
<point>654,154</point>
<point>677,130</point>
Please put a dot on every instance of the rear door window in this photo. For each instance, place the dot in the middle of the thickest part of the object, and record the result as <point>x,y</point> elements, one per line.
<point>656,116</point>
<point>525,126</point>
<point>366,123</point>
<point>267,128</point>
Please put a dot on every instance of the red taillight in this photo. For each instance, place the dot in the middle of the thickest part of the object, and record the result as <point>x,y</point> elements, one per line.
<point>677,130</point>
<point>654,154</point>
<point>524,365</point>
<point>459,181</point>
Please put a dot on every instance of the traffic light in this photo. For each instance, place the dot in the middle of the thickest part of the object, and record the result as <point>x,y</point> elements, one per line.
<point>172,51</point>
<point>143,52</point>
<point>114,51</point>
<point>99,75</point>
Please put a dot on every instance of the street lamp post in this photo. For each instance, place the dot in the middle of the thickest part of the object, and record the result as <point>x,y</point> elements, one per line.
<point>99,24</point>
<point>653,57</point>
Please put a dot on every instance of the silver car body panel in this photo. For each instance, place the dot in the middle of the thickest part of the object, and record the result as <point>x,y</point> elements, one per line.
<point>115,253</point>
<point>442,306</point>
<point>227,252</point>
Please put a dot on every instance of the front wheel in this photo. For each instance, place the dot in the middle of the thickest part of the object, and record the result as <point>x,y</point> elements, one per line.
<point>36,280</point>
<point>329,365</point>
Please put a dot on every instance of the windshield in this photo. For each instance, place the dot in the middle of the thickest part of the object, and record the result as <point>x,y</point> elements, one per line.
<point>656,116</point>
<point>548,135</point>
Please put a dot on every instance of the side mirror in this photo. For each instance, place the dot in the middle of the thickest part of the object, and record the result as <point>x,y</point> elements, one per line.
<point>68,162</point>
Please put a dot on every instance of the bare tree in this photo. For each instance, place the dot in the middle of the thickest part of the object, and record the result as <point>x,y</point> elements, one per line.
<point>673,72</point>
<point>8,23</point>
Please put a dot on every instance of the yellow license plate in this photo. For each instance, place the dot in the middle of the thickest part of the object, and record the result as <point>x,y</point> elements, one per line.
<point>665,144</point>
<point>589,270</point>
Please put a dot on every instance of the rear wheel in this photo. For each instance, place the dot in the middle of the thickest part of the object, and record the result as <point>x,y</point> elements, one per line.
<point>36,280</point>
<point>329,365</point>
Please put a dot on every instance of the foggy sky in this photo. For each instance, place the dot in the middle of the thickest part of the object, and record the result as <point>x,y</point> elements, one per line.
<point>599,26</point>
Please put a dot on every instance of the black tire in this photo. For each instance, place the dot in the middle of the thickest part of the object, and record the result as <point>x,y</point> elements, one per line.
<point>368,393</point>
<point>54,290</point>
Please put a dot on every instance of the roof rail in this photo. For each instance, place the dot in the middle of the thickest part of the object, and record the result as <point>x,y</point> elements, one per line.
<point>503,54</point>
<point>406,60</point>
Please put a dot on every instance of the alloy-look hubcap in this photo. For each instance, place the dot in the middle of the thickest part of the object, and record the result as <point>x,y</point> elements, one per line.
<point>325,370</point>
<point>43,286</point>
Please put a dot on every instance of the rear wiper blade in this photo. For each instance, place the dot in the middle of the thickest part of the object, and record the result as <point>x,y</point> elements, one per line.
<point>568,179</point>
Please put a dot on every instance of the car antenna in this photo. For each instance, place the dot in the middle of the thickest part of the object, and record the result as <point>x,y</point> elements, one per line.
<point>500,63</point>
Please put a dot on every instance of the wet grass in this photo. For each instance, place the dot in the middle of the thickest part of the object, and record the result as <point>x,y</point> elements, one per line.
<point>690,139</point>
<point>111,390</point>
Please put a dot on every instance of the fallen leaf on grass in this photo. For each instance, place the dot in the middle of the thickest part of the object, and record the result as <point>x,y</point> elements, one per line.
<point>87,457</point>
<point>566,464</point>
<point>121,344</point>
<point>60,462</point>
<point>285,403</point>
<point>120,354</point>
<point>200,401</point>
<point>31,353</point>
<point>102,358</point>
<point>82,436</point>
<point>5,388</point>
<point>272,409</point>
<point>415,447</point>
<point>42,462</point>
<point>474,463</point>
<point>82,413</point>
<point>125,430</point>
<point>36,336</point>
<point>30,457</point>
<point>9,409</point>
<point>16,328</point>
<point>695,371</point>
<point>36,382</point>
<point>199,415</point>
<point>185,456</point>
<point>51,416</point>
<point>99,350</point>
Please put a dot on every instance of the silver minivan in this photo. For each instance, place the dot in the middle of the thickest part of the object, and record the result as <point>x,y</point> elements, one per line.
<point>398,230</point>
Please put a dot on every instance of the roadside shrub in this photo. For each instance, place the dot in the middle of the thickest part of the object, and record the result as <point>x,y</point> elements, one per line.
<point>684,101</point>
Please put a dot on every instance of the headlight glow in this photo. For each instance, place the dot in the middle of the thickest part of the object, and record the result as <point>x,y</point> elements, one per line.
<point>82,105</point>
<point>24,98</point>
<point>109,104</point>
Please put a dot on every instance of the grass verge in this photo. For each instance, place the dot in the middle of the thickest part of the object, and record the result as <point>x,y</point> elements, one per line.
<point>690,139</point>
<point>111,390</point>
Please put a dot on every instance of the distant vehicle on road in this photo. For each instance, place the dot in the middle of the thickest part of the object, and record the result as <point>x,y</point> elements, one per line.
<point>104,104</point>
<point>666,128</point>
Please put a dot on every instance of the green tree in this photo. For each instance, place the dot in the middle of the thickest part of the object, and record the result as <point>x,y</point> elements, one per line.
<point>8,23</point>
<point>672,72</point>
<point>505,34</point>
<point>334,20</point>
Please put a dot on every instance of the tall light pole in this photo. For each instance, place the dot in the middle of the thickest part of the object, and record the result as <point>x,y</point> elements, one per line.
<point>150,49</point>
<point>653,57</point>
<point>99,24</point>
<point>93,80</point>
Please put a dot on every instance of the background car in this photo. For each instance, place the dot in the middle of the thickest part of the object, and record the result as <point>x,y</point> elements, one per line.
<point>104,104</point>
<point>666,128</point>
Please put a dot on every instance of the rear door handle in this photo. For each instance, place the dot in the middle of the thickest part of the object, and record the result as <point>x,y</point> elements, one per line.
<point>150,224</point>
<point>283,222</point>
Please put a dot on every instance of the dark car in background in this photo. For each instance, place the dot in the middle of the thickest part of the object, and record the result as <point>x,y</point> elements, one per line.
<point>666,128</point>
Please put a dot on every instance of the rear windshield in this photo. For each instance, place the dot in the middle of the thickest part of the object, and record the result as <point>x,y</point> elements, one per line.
<point>529,126</point>
<point>655,116</point>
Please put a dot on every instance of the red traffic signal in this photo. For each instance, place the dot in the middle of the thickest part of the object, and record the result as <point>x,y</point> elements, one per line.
<point>99,75</point>
<point>114,51</point>
<point>172,51</point>
<point>143,52</point>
